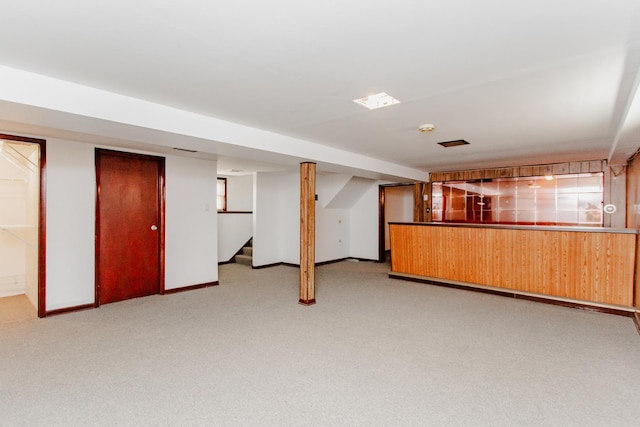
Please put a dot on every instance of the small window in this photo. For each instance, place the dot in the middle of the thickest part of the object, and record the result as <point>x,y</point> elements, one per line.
<point>221,200</point>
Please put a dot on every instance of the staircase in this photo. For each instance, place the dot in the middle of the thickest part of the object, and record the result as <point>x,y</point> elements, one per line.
<point>246,257</point>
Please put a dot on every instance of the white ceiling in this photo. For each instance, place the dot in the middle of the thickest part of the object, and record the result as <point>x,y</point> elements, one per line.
<point>523,81</point>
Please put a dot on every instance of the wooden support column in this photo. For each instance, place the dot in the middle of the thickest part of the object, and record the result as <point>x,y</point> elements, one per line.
<point>418,202</point>
<point>307,233</point>
<point>426,195</point>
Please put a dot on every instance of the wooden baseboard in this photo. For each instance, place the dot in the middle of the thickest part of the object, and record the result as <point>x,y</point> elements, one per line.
<point>332,261</point>
<point>275,264</point>
<point>94,305</point>
<point>363,259</point>
<point>346,259</point>
<point>317,264</point>
<point>191,288</point>
<point>69,309</point>
<point>518,295</point>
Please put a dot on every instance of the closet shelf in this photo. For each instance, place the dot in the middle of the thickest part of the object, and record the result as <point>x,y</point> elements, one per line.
<point>7,229</point>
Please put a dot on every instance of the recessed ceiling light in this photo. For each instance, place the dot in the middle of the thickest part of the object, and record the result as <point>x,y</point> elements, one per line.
<point>453,143</point>
<point>378,100</point>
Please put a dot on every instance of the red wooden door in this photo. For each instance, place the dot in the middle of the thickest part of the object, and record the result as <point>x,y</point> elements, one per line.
<point>128,225</point>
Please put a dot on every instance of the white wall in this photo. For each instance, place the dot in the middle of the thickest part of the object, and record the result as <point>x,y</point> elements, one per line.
<point>234,230</point>
<point>191,249</point>
<point>268,231</point>
<point>190,230</point>
<point>70,204</point>
<point>332,225</point>
<point>340,233</point>
<point>332,234</point>
<point>289,220</point>
<point>328,186</point>
<point>239,192</point>
<point>364,225</point>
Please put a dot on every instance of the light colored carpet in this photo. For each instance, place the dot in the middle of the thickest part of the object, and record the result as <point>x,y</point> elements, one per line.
<point>372,352</point>
<point>16,309</point>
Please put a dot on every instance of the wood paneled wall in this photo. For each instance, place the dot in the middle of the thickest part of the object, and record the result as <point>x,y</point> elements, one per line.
<point>588,266</point>
<point>522,171</point>
<point>633,193</point>
<point>633,205</point>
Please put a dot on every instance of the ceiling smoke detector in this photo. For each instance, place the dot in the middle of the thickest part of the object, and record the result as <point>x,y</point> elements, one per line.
<point>426,128</point>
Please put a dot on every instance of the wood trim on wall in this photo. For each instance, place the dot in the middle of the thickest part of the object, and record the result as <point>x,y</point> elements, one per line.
<point>163,203</point>
<point>318,264</point>
<point>418,202</point>
<point>427,204</point>
<point>69,309</point>
<point>191,287</point>
<point>632,193</point>
<point>42,220</point>
<point>521,171</point>
<point>275,264</point>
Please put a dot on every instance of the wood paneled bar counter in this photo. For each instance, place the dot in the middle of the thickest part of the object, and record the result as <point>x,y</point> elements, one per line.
<point>589,265</point>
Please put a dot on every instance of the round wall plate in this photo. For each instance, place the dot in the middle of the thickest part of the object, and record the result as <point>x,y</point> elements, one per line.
<point>609,208</point>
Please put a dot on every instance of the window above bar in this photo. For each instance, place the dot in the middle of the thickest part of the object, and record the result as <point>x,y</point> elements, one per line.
<point>567,200</point>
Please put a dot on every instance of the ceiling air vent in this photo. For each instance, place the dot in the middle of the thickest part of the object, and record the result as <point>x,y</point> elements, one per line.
<point>453,143</point>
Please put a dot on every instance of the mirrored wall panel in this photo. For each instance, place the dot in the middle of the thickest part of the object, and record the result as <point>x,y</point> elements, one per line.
<point>568,200</point>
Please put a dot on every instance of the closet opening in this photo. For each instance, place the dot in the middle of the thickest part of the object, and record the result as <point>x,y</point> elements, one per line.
<point>21,228</point>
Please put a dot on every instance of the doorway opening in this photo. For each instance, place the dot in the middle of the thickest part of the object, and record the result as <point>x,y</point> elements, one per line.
<point>396,204</point>
<point>22,235</point>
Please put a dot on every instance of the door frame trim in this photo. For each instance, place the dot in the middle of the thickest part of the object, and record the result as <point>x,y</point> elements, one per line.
<point>161,209</point>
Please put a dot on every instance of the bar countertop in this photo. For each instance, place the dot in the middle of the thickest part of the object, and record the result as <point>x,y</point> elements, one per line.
<point>523,227</point>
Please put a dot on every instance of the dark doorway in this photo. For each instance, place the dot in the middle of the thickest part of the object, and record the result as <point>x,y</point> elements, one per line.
<point>129,226</point>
